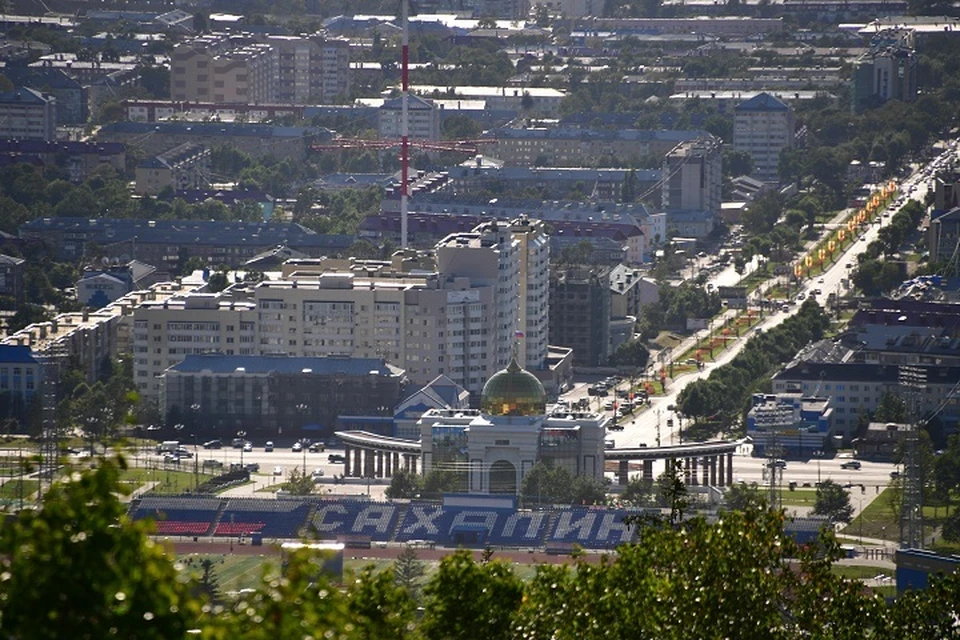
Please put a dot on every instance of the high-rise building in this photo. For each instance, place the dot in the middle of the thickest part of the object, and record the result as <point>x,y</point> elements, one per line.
<point>887,71</point>
<point>763,126</point>
<point>423,119</point>
<point>580,313</point>
<point>534,294</point>
<point>693,176</point>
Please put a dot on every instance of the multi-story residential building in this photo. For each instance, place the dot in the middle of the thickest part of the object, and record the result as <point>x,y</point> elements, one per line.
<point>21,375</point>
<point>855,389</point>
<point>257,140</point>
<point>221,68</point>
<point>11,277</point>
<point>567,147</point>
<point>542,101</point>
<point>693,176</point>
<point>423,119</point>
<point>71,95</point>
<point>534,294</point>
<point>580,313</point>
<point>186,166</point>
<point>457,317</point>
<point>76,159</point>
<point>218,394</point>
<point>27,114</point>
<point>943,235</point>
<point>630,291</point>
<point>887,71</point>
<point>763,126</point>
<point>167,244</point>
<point>554,182</point>
<point>260,69</point>
<point>727,26</point>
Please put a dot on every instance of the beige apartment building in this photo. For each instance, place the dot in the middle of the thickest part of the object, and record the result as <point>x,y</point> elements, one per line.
<point>763,126</point>
<point>257,70</point>
<point>457,317</point>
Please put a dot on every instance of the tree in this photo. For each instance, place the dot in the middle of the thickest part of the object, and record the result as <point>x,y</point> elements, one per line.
<point>121,584</point>
<point>408,572</point>
<point>628,191</point>
<point>404,484</point>
<point>745,497</point>
<point>440,481</point>
<point>299,483</point>
<point>833,501</point>
<point>632,353</point>
<point>639,491</point>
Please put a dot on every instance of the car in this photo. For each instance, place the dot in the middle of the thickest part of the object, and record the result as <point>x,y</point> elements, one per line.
<point>336,458</point>
<point>183,452</point>
<point>268,446</point>
<point>817,292</point>
<point>278,470</point>
<point>212,444</point>
<point>297,447</point>
<point>608,405</point>
<point>851,464</point>
<point>784,307</point>
<point>778,464</point>
<point>316,447</point>
<point>252,467</point>
<point>894,474</point>
<point>820,281</point>
<point>849,265</point>
<point>171,458</point>
<point>212,464</point>
<point>237,443</point>
<point>247,447</point>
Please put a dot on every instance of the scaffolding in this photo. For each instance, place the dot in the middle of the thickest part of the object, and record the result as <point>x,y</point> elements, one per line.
<point>52,361</point>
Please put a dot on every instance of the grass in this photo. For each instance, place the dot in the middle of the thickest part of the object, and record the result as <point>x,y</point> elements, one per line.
<point>668,339</point>
<point>11,489</point>
<point>858,572</point>
<point>877,519</point>
<point>798,497</point>
<point>168,481</point>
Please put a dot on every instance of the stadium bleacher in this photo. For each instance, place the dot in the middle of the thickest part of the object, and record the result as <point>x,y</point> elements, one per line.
<point>592,528</point>
<point>179,516</point>
<point>269,517</point>
<point>355,517</point>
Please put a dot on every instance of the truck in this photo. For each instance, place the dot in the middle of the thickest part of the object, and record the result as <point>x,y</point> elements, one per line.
<point>168,446</point>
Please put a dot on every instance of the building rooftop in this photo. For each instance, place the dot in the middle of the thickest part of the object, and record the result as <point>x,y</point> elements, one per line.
<point>332,365</point>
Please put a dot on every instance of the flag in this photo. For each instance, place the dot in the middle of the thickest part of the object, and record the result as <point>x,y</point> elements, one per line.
<point>518,334</point>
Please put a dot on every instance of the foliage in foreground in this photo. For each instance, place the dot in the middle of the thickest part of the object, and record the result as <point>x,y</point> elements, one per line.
<point>79,568</point>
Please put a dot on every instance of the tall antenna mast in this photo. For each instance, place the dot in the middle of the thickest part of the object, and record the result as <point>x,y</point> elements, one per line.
<point>404,123</point>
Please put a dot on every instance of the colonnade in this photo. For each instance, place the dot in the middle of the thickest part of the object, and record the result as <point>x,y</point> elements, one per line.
<point>371,463</point>
<point>711,470</point>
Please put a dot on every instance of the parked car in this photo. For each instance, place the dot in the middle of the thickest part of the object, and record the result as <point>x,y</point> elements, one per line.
<point>247,447</point>
<point>297,447</point>
<point>268,446</point>
<point>851,464</point>
<point>336,458</point>
<point>237,443</point>
<point>212,444</point>
<point>183,452</point>
<point>316,447</point>
<point>252,467</point>
<point>278,470</point>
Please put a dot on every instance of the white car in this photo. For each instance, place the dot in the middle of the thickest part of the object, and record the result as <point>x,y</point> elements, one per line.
<point>278,470</point>
<point>297,447</point>
<point>247,447</point>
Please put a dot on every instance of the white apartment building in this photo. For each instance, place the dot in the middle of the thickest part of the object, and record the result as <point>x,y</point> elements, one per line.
<point>423,119</point>
<point>534,292</point>
<point>763,126</point>
<point>26,114</point>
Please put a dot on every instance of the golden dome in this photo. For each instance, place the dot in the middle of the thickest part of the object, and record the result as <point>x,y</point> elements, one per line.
<point>513,392</point>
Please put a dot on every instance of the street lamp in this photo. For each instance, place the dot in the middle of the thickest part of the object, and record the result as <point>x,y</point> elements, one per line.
<point>302,409</point>
<point>243,436</point>
<point>818,454</point>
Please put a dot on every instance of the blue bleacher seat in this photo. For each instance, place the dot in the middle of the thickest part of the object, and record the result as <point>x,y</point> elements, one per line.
<point>270,517</point>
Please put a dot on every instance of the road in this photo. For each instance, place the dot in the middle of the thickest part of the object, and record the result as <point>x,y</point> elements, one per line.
<point>652,424</point>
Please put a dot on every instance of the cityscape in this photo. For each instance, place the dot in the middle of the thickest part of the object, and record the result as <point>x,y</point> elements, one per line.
<point>412,320</point>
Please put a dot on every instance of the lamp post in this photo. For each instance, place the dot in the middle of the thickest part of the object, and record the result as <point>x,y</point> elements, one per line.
<point>302,409</point>
<point>818,454</point>
<point>243,436</point>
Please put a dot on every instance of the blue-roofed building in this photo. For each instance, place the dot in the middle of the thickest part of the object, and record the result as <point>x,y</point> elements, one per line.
<point>918,568</point>
<point>569,147</point>
<point>76,159</point>
<point>258,140</point>
<point>71,95</point>
<point>793,424</point>
<point>20,376</point>
<point>150,241</point>
<point>269,396</point>
<point>26,114</point>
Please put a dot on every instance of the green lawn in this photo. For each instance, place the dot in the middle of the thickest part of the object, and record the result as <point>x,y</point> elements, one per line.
<point>858,572</point>
<point>11,489</point>
<point>878,519</point>
<point>798,497</point>
<point>169,481</point>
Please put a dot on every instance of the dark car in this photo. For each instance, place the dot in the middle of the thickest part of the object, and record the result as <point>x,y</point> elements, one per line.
<point>212,444</point>
<point>316,447</point>
<point>852,464</point>
<point>334,458</point>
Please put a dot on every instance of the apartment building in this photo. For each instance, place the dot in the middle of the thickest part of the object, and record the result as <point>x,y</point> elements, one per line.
<point>763,126</point>
<point>580,313</point>
<point>887,71</point>
<point>457,317</point>
<point>534,294</point>
<point>569,147</point>
<point>423,119</point>
<point>11,278</point>
<point>27,114</point>
<point>693,176</point>
<point>254,69</point>
<point>76,159</point>
<point>186,166</point>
